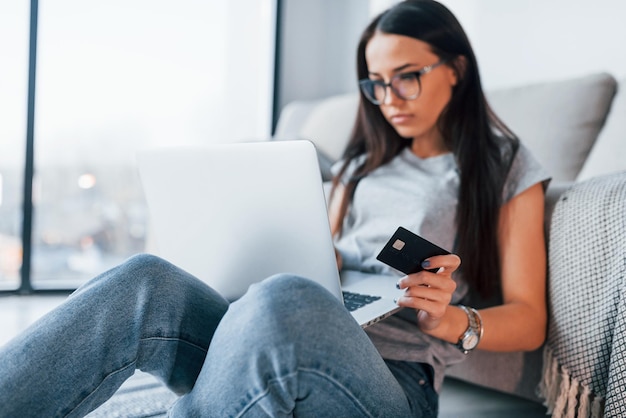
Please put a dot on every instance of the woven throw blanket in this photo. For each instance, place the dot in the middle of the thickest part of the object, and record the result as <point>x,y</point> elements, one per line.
<point>585,357</point>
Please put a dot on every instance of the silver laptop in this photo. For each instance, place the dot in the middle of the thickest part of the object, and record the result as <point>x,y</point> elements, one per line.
<point>234,214</point>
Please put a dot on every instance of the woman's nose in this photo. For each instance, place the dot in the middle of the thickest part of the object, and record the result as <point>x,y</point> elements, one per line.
<point>390,96</point>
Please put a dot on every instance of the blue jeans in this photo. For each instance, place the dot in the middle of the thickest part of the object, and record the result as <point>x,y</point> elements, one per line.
<point>286,348</point>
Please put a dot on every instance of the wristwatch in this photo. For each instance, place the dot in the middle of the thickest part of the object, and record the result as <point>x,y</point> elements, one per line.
<point>471,337</point>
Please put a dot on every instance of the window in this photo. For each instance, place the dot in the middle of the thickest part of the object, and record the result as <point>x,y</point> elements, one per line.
<point>114,77</point>
<point>14,37</point>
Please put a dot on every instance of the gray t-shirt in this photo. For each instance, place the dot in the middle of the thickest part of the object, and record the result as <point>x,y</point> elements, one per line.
<point>420,195</point>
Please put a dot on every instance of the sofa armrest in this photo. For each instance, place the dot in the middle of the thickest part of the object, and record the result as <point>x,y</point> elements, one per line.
<point>324,122</point>
<point>292,117</point>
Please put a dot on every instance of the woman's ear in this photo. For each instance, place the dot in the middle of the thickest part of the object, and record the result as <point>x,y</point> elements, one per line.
<point>459,65</point>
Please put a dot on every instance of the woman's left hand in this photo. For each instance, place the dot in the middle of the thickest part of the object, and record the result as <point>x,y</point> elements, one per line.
<point>430,293</point>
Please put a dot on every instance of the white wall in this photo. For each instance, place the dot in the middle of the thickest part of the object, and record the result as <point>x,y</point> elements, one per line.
<point>525,41</point>
<point>516,41</point>
<point>318,42</point>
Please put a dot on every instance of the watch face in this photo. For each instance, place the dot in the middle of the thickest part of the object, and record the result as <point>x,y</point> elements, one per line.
<point>470,342</point>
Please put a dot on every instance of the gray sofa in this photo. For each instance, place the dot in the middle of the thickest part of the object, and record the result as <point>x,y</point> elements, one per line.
<point>564,123</point>
<point>576,128</point>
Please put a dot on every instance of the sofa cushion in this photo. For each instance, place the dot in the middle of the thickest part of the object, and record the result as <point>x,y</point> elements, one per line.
<point>608,154</point>
<point>559,121</point>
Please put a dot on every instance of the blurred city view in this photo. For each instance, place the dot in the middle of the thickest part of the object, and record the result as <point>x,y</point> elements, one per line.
<point>83,222</point>
<point>113,78</point>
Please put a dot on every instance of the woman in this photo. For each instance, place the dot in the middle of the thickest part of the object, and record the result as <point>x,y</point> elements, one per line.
<point>426,153</point>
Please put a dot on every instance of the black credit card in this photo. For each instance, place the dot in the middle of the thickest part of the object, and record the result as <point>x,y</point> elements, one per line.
<point>405,251</point>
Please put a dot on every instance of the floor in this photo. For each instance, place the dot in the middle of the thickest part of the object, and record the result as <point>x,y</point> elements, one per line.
<point>458,399</point>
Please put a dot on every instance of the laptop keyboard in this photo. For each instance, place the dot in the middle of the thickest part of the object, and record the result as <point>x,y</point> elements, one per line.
<point>354,301</point>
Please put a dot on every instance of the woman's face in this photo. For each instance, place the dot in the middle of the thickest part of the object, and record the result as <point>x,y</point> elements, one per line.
<point>388,55</point>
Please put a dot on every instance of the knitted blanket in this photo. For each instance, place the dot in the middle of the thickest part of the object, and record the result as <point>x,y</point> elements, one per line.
<point>585,357</point>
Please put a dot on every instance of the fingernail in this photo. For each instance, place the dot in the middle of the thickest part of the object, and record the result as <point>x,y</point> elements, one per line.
<point>395,300</point>
<point>397,285</point>
<point>425,264</point>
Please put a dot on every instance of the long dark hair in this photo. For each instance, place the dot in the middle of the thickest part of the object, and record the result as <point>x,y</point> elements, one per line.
<point>482,145</point>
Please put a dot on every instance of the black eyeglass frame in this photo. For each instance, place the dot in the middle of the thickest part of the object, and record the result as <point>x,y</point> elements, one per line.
<point>418,75</point>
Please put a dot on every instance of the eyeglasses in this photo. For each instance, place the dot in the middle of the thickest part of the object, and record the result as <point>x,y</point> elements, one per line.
<point>406,86</point>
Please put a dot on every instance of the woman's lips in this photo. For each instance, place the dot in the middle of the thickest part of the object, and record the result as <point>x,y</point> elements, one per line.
<point>400,119</point>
